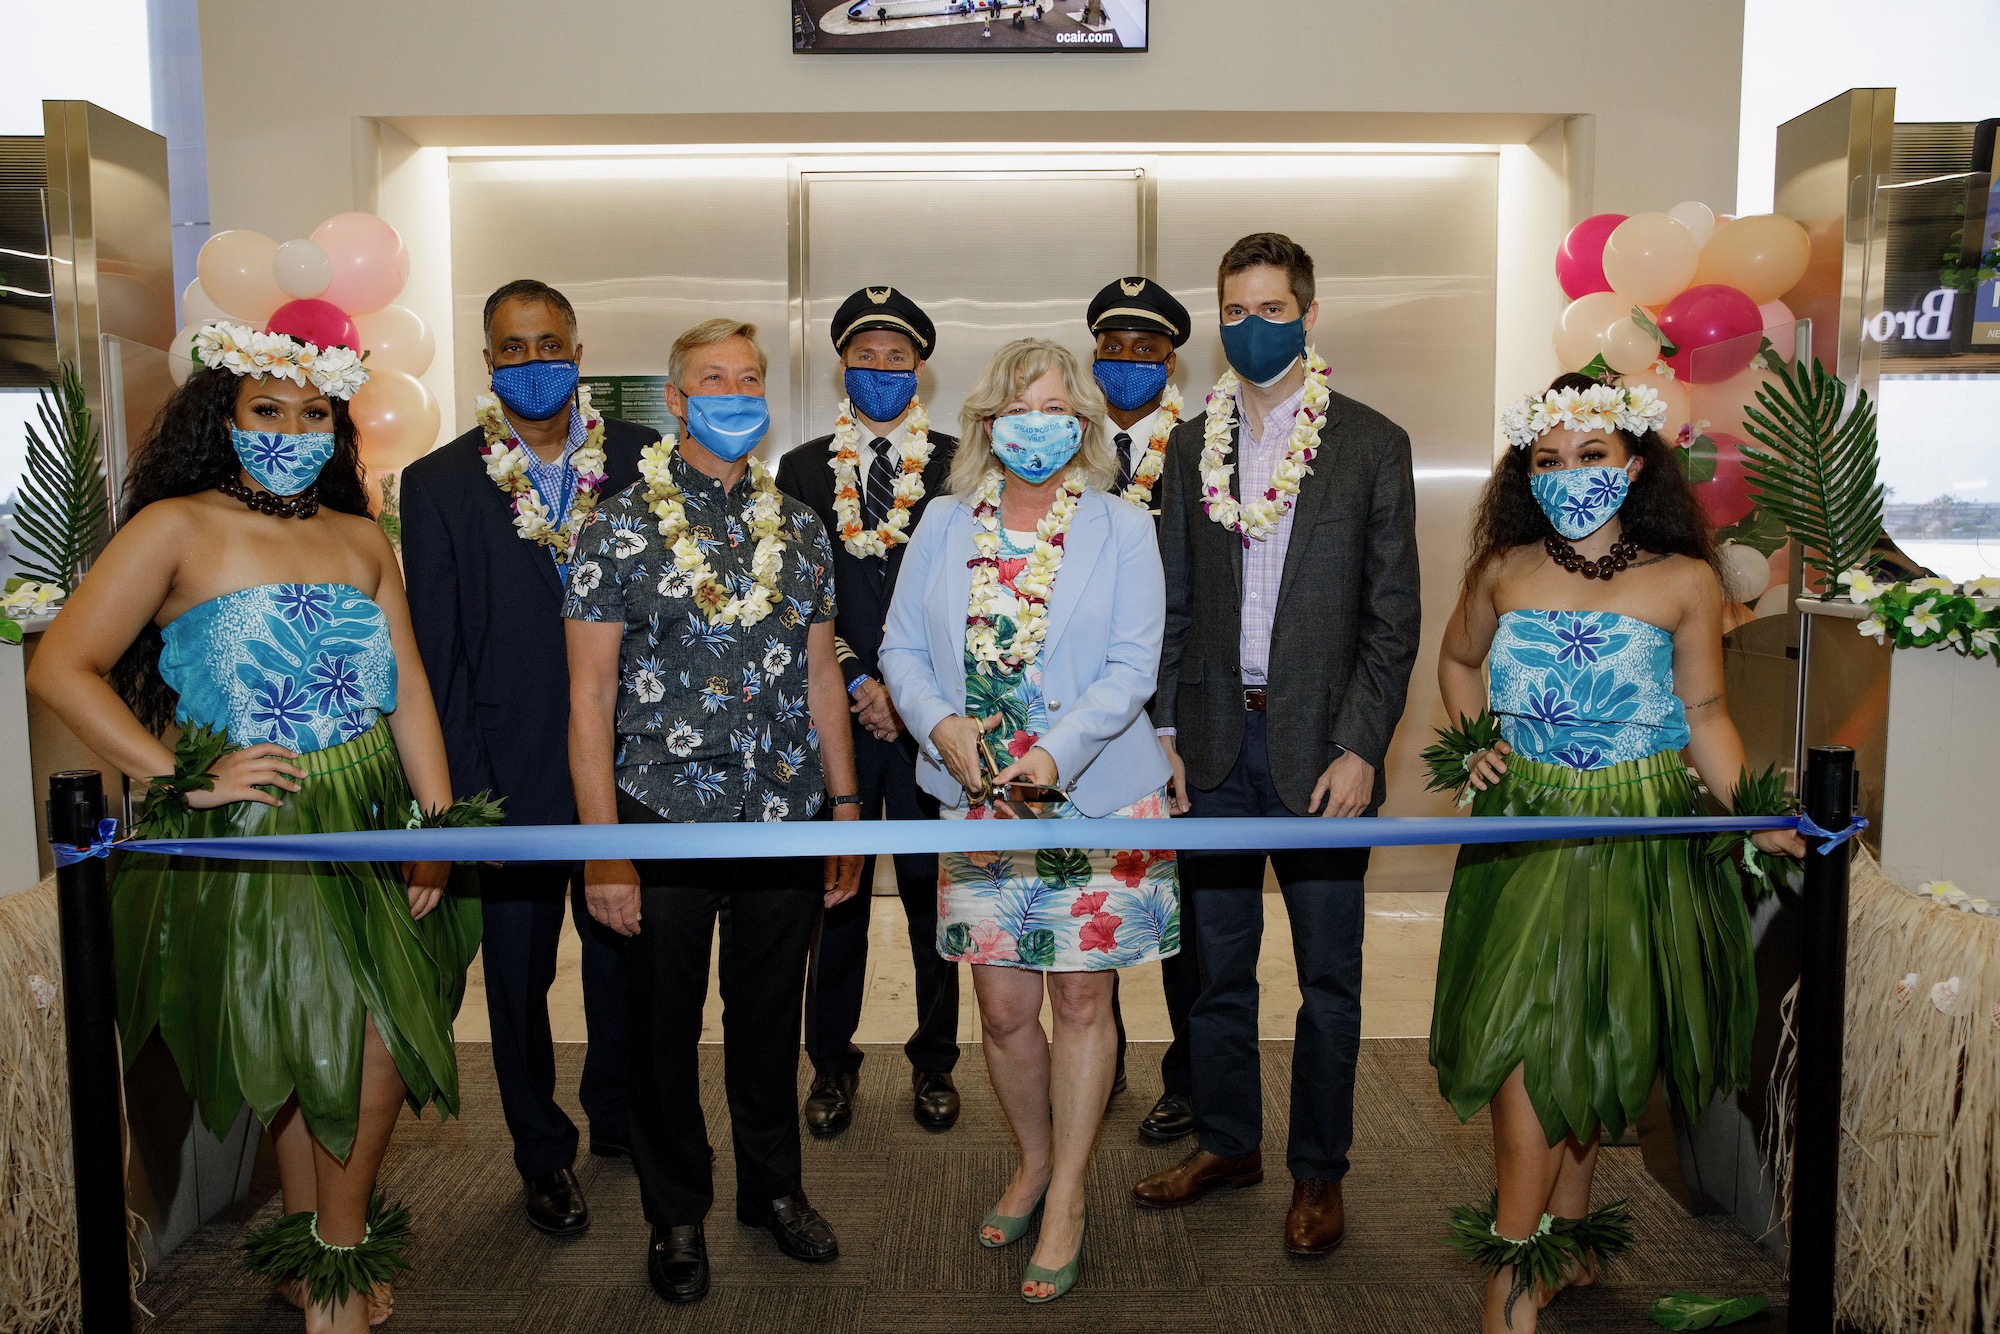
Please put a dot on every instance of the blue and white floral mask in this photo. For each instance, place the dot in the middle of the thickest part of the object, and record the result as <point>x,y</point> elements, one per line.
<point>1579,501</point>
<point>284,465</point>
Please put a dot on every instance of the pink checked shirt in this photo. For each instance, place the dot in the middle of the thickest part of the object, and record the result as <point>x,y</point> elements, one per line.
<point>1263,562</point>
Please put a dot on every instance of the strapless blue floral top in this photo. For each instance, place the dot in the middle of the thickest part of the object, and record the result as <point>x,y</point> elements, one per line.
<point>1586,689</point>
<point>305,665</point>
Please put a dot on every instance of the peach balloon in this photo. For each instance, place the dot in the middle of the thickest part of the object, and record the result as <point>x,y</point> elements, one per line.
<point>1580,329</point>
<point>369,262</point>
<point>1722,403</point>
<point>1779,327</point>
<point>1628,348</point>
<point>397,339</point>
<point>1650,258</point>
<point>234,268</point>
<point>1672,393</point>
<point>1762,256</point>
<point>397,418</point>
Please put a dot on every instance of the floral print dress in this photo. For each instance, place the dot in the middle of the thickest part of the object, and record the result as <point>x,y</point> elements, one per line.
<point>1058,910</point>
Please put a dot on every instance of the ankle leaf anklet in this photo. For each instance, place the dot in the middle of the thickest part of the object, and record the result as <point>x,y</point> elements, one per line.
<point>292,1248</point>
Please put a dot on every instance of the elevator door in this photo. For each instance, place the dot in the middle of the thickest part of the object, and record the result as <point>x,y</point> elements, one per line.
<point>991,256</point>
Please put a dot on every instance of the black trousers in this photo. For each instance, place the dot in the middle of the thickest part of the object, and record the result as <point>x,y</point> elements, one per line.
<point>837,981</point>
<point>1180,981</point>
<point>1323,898</point>
<point>769,907</point>
<point>522,906</point>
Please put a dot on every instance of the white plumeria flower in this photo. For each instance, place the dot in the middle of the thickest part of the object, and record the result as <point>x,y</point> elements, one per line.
<point>1874,629</point>
<point>1986,586</point>
<point>1933,584</point>
<point>1923,620</point>
<point>1861,587</point>
<point>30,598</point>
<point>1942,891</point>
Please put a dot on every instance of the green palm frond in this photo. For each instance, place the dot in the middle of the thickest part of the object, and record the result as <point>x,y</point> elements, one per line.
<point>1816,469</point>
<point>61,516</point>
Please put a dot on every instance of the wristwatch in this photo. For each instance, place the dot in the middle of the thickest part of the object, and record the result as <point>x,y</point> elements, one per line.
<point>849,800</point>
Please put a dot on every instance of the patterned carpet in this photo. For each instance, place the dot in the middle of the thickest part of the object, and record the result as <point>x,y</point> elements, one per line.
<point>906,1205</point>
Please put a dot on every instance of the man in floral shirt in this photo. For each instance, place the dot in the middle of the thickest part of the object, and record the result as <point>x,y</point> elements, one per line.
<point>704,687</point>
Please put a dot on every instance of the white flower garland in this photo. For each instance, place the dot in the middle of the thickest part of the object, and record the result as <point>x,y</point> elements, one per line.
<point>507,464</point>
<point>1032,586</point>
<point>1602,407</point>
<point>335,371</point>
<point>846,450</point>
<point>1147,470</point>
<point>761,516</point>
<point>1256,520</point>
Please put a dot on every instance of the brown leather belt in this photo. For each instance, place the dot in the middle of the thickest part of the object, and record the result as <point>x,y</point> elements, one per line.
<point>1253,698</point>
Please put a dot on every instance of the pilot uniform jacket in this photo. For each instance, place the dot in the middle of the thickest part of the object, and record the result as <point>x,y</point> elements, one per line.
<point>486,605</point>
<point>863,585</point>
<point>1344,638</point>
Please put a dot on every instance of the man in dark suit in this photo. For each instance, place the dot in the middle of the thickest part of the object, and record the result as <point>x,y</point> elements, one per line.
<point>869,482</point>
<point>1292,617</point>
<point>487,523</point>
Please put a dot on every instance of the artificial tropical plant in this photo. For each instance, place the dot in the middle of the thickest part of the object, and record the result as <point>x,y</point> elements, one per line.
<point>1814,465</point>
<point>63,508</point>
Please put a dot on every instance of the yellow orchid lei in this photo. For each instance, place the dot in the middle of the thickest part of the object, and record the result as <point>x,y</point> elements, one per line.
<point>846,450</point>
<point>1256,520</point>
<point>711,598</point>
<point>1032,586</point>
<point>1147,470</point>
<point>507,464</point>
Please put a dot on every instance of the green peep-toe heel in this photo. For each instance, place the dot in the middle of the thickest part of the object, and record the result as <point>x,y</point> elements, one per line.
<point>1010,1229</point>
<point>1062,1279</point>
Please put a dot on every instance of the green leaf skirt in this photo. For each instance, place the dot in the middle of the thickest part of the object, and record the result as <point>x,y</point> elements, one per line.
<point>1595,964</point>
<point>261,976</point>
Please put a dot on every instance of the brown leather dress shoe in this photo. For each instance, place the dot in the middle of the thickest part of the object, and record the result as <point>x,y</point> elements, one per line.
<point>1196,1175</point>
<point>1318,1220</point>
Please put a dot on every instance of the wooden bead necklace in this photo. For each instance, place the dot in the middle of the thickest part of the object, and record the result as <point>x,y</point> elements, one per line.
<point>301,506</point>
<point>1618,558</point>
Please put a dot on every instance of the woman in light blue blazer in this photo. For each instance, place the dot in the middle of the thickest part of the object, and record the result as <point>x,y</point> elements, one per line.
<point>1027,622</point>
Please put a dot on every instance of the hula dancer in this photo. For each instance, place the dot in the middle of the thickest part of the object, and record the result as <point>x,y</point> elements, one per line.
<point>248,599</point>
<point>1573,973</point>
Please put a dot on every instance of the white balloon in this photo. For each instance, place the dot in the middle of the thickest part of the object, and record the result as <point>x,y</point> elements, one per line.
<point>198,308</point>
<point>180,354</point>
<point>1746,573</point>
<point>302,268</point>
<point>1697,217</point>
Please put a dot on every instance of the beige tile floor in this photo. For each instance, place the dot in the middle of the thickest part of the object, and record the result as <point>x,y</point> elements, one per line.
<point>1399,966</point>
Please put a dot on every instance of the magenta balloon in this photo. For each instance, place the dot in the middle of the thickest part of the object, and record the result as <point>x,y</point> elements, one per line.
<point>1704,315</point>
<point>315,321</point>
<point>1580,258</point>
<point>370,264</point>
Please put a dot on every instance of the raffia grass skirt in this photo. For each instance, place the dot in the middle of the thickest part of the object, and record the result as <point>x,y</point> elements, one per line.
<point>261,976</point>
<point>1597,965</point>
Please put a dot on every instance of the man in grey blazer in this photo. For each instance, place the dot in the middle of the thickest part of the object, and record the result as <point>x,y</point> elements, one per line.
<point>1290,550</point>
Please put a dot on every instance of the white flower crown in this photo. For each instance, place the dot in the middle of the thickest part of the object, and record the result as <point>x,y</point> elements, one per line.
<point>335,371</point>
<point>1602,407</point>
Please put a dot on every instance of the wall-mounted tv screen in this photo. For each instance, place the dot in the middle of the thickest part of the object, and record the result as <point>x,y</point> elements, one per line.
<point>889,27</point>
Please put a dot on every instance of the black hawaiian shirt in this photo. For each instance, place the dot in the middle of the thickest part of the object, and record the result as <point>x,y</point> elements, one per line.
<point>712,719</point>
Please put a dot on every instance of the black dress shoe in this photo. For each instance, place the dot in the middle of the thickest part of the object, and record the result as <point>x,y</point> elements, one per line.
<point>603,1146</point>
<point>795,1225</point>
<point>935,1099</point>
<point>1172,1118</point>
<point>677,1263</point>
<point>555,1204</point>
<point>830,1105</point>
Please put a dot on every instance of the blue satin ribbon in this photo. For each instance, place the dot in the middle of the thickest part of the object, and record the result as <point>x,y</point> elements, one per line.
<point>1833,840</point>
<point>666,842</point>
<point>69,854</point>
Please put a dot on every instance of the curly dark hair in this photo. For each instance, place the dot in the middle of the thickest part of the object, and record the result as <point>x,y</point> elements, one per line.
<point>188,450</point>
<point>1660,512</point>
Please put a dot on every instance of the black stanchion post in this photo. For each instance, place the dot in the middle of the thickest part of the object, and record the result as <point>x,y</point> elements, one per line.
<point>1822,1012</point>
<point>90,1017</point>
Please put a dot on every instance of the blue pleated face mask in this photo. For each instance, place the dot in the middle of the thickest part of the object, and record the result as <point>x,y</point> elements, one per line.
<point>282,464</point>
<point>1579,501</point>
<point>1035,446</point>
<point>880,396</point>
<point>1129,385</point>
<point>728,425</point>
<point>535,390</point>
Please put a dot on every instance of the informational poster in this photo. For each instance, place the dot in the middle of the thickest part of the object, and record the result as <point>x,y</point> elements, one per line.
<point>641,399</point>
<point>888,27</point>
<point>1986,298</point>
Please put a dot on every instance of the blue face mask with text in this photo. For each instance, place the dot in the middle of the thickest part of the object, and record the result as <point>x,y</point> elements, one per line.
<point>728,425</point>
<point>535,390</point>
<point>1035,446</point>
<point>284,465</point>
<point>1262,350</point>
<point>880,396</point>
<point>1579,501</point>
<point>1130,385</point>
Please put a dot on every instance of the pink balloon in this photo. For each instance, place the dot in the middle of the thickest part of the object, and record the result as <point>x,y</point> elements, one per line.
<point>1580,258</point>
<point>1779,327</point>
<point>314,321</point>
<point>1703,316</point>
<point>370,264</point>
